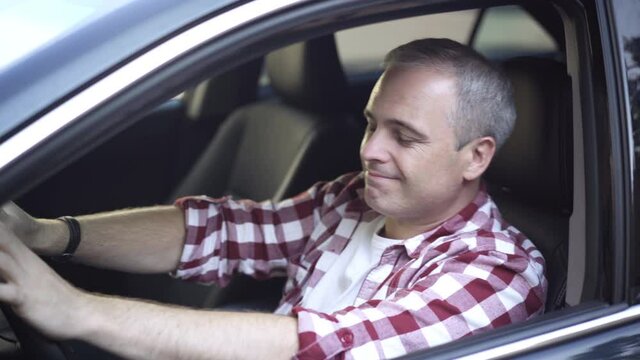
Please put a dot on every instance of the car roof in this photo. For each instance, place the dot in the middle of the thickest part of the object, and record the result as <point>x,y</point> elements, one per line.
<point>57,69</point>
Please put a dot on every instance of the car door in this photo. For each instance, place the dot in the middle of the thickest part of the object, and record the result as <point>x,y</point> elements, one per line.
<point>595,330</point>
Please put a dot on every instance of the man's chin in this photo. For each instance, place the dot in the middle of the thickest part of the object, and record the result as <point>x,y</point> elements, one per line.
<point>375,200</point>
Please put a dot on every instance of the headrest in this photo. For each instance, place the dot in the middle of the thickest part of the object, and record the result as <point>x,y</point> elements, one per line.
<point>535,164</point>
<point>225,92</point>
<point>309,75</point>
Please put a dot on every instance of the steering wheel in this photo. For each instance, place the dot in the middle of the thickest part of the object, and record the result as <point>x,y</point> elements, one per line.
<point>33,344</point>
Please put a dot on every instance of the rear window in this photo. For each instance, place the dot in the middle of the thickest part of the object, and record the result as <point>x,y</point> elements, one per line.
<point>360,56</point>
<point>509,31</point>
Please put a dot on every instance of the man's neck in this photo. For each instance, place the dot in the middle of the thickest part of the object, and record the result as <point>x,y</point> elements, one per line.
<point>402,229</point>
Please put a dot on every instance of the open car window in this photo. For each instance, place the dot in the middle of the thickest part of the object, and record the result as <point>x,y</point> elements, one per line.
<point>509,31</point>
<point>358,59</point>
<point>172,139</point>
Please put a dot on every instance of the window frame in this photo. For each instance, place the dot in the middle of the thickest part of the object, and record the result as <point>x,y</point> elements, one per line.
<point>222,53</point>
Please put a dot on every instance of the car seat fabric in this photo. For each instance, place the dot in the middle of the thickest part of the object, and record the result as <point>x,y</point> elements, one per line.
<point>202,109</point>
<point>207,105</point>
<point>531,177</point>
<point>262,148</point>
<point>309,76</point>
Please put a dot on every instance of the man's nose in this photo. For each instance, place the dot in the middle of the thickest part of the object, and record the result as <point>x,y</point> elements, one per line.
<point>373,147</point>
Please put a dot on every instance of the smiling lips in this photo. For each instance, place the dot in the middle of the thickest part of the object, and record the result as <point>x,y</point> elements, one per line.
<point>376,175</point>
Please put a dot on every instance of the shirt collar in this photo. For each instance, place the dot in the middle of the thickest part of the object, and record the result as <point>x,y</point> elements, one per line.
<point>358,209</point>
<point>462,220</point>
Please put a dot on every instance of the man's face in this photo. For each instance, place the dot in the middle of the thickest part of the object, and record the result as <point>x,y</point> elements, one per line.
<point>413,170</point>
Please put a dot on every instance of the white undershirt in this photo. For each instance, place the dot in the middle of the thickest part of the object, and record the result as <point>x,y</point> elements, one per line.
<point>339,287</point>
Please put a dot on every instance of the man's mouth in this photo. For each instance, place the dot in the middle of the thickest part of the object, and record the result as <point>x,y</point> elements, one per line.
<point>379,175</point>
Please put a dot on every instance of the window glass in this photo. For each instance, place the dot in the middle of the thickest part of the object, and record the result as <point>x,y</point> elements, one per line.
<point>359,56</point>
<point>627,13</point>
<point>508,31</point>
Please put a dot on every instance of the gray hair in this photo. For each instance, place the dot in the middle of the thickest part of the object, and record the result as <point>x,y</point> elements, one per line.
<point>485,105</point>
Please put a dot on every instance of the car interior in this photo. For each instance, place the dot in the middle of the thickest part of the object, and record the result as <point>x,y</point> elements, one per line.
<point>271,127</point>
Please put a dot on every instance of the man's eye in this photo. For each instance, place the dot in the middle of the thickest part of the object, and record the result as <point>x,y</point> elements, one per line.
<point>403,139</point>
<point>370,128</point>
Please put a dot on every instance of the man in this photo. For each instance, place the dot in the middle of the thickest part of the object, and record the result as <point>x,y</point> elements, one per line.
<point>408,254</point>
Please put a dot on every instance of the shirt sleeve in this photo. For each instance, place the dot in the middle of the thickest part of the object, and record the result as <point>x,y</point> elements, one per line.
<point>225,236</point>
<point>464,295</point>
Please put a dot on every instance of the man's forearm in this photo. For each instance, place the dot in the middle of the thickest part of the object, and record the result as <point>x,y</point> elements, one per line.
<point>145,240</point>
<point>142,330</point>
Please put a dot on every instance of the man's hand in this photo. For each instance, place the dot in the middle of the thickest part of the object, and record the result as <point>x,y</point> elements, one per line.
<point>133,329</point>
<point>19,222</point>
<point>34,291</point>
<point>130,328</point>
<point>45,237</point>
<point>144,240</point>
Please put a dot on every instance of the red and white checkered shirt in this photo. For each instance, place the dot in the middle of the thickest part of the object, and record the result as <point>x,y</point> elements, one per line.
<point>470,274</point>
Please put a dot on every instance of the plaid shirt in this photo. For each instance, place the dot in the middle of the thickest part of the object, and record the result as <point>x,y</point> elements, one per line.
<point>470,274</point>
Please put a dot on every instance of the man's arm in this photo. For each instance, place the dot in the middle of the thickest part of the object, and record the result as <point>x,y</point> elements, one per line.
<point>468,292</point>
<point>145,240</point>
<point>132,328</point>
<point>143,330</point>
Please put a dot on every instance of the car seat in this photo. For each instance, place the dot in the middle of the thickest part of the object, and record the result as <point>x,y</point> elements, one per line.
<point>279,147</point>
<point>531,177</point>
<point>276,148</point>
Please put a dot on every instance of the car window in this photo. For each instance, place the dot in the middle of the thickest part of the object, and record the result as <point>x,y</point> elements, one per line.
<point>357,58</point>
<point>508,31</point>
<point>626,13</point>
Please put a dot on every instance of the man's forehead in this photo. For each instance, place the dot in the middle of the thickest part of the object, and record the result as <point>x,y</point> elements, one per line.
<point>419,97</point>
<point>414,85</point>
<point>420,75</point>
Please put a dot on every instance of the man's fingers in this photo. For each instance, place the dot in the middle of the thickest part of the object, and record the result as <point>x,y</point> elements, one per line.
<point>4,209</point>
<point>10,208</point>
<point>8,268</point>
<point>12,215</point>
<point>8,293</point>
<point>8,239</point>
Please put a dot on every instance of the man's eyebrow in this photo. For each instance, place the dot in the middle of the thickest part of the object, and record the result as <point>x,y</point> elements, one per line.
<point>408,127</point>
<point>400,124</point>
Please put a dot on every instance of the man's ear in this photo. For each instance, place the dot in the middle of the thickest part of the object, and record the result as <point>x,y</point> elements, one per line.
<point>480,153</point>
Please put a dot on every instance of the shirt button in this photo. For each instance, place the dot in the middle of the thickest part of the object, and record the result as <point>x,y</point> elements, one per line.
<point>346,338</point>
